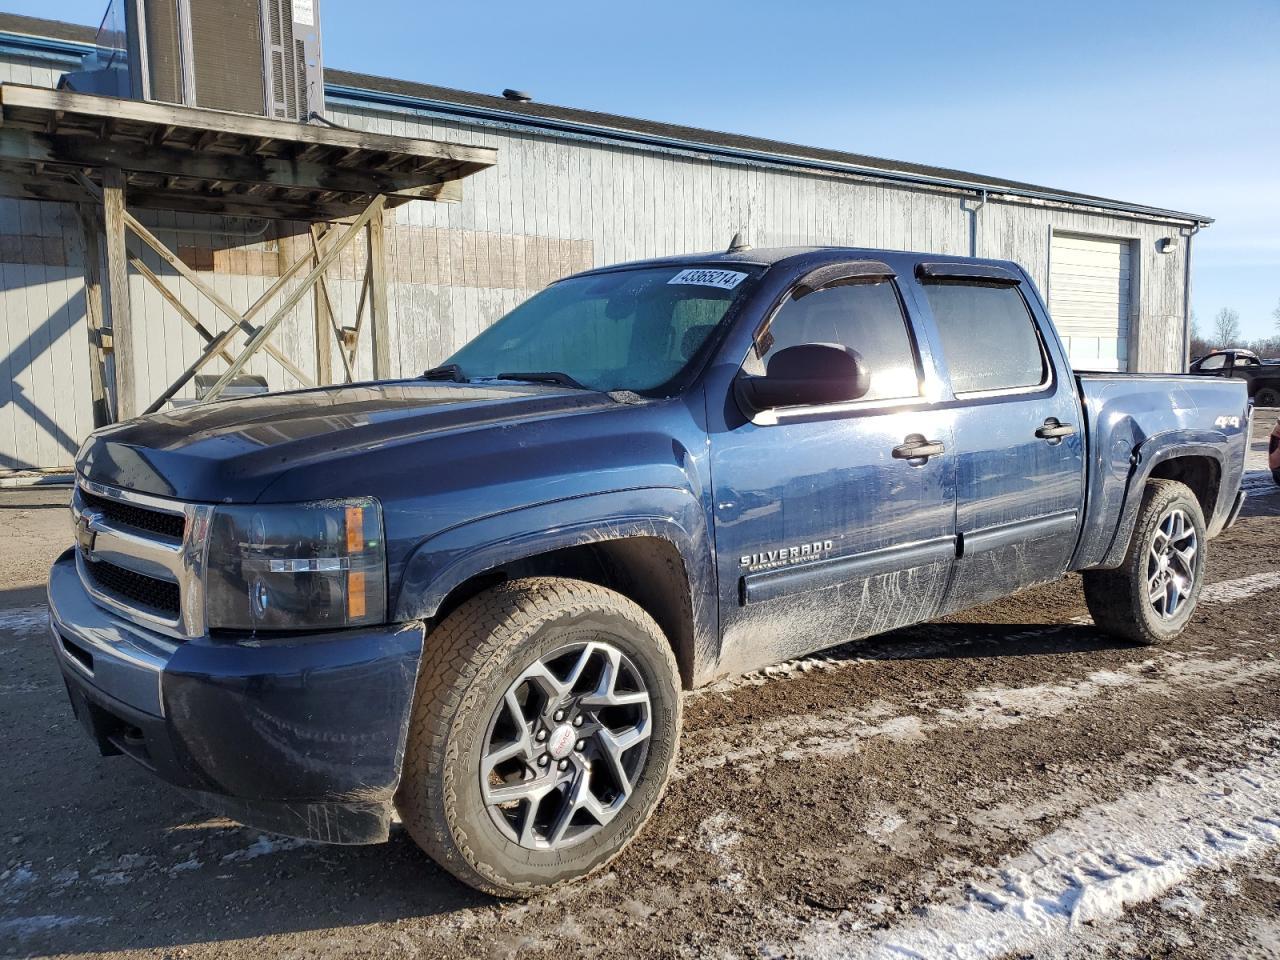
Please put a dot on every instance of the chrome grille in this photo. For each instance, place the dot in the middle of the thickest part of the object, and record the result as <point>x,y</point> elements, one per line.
<point>150,593</point>
<point>140,518</point>
<point>143,556</point>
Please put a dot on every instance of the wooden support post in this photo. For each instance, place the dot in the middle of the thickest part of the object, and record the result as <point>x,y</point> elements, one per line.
<point>90,228</point>
<point>323,347</point>
<point>118,287</point>
<point>323,307</point>
<point>380,321</point>
<point>291,301</point>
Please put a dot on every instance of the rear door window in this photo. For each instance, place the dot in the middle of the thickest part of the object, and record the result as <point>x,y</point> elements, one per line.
<point>989,338</point>
<point>866,317</point>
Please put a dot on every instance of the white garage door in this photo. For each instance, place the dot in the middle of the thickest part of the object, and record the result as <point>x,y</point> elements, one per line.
<point>1089,299</point>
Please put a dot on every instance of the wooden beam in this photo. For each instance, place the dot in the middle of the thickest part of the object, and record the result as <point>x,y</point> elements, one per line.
<point>292,300</point>
<point>25,146</point>
<point>226,336</point>
<point>146,198</point>
<point>90,229</point>
<point>172,299</point>
<point>114,215</point>
<point>18,97</point>
<point>212,295</point>
<point>379,319</point>
<point>360,304</point>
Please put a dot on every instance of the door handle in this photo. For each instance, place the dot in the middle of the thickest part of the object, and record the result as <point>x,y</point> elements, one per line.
<point>1054,431</point>
<point>916,447</point>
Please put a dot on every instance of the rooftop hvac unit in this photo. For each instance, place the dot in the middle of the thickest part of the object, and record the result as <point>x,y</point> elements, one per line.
<point>248,56</point>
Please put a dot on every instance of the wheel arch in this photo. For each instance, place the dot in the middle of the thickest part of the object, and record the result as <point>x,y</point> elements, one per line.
<point>1197,461</point>
<point>658,556</point>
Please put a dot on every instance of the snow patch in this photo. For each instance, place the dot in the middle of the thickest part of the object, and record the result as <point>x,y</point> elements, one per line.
<point>1112,856</point>
<point>265,845</point>
<point>718,836</point>
<point>1229,591</point>
<point>25,619</point>
<point>14,882</point>
<point>24,927</point>
<point>1183,903</point>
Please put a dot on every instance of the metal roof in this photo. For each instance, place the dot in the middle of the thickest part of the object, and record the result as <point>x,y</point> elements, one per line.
<point>365,88</point>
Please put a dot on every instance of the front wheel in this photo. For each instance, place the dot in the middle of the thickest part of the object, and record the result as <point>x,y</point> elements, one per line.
<point>1150,597</point>
<point>543,733</point>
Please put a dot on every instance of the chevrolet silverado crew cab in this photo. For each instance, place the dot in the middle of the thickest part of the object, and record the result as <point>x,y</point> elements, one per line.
<point>472,599</point>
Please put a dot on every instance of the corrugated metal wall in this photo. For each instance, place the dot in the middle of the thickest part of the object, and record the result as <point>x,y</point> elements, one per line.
<point>552,205</point>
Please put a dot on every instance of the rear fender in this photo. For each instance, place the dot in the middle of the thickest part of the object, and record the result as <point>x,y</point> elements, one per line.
<point>445,561</point>
<point>1153,452</point>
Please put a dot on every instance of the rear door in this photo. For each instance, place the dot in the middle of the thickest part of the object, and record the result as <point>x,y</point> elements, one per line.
<point>1019,438</point>
<point>823,533</point>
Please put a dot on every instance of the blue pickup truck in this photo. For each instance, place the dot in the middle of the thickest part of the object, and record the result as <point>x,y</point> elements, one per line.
<point>472,599</point>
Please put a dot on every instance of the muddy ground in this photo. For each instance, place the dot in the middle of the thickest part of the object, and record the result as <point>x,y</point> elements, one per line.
<point>1009,782</point>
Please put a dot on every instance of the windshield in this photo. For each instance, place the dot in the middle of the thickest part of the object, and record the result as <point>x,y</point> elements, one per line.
<point>625,330</point>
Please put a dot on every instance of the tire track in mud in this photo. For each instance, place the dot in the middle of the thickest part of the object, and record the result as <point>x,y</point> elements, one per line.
<point>842,731</point>
<point>1088,870</point>
<point>839,733</point>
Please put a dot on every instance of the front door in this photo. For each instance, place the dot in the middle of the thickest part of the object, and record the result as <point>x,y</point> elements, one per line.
<point>823,533</point>
<point>1019,440</point>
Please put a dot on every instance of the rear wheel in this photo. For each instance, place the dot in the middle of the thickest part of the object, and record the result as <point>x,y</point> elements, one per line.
<point>1150,597</point>
<point>1267,397</point>
<point>543,733</point>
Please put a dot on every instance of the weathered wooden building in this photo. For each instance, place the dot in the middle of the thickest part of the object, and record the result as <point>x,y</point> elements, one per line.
<point>571,189</point>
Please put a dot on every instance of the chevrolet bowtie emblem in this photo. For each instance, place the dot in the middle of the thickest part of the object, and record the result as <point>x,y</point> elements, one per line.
<point>85,534</point>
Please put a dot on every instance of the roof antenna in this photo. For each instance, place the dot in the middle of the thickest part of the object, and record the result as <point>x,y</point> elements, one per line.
<point>737,244</point>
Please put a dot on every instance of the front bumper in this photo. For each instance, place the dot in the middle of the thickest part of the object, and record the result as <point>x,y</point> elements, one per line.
<point>302,736</point>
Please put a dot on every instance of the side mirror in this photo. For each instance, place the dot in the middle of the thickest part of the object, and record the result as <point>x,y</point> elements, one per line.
<point>804,375</point>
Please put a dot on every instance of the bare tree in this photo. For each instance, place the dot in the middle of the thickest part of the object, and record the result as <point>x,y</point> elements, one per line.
<point>1276,313</point>
<point>1226,327</point>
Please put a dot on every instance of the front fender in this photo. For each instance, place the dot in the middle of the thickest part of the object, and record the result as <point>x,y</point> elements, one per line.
<point>444,561</point>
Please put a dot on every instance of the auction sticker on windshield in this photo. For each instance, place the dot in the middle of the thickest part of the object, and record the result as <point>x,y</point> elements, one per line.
<point>724,279</point>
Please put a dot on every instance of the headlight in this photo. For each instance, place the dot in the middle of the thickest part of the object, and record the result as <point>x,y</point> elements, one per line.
<point>297,566</point>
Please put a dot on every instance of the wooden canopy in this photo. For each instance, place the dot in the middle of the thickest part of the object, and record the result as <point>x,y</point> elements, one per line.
<point>214,162</point>
<point>103,153</point>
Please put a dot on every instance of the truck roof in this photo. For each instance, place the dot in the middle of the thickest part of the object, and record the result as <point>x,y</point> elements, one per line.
<point>814,255</point>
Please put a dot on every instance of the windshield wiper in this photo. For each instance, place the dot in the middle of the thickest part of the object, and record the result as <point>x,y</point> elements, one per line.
<point>544,376</point>
<point>446,371</point>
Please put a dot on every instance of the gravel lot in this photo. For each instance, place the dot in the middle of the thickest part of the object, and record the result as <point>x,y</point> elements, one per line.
<point>1007,782</point>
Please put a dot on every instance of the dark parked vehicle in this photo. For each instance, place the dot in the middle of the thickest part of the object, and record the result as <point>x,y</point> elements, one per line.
<point>474,597</point>
<point>1262,377</point>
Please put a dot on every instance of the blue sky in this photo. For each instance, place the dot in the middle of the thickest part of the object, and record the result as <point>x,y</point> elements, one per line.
<point>1172,104</point>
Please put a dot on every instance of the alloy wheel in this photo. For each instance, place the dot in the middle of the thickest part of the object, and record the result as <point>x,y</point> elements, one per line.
<point>1171,564</point>
<point>566,746</point>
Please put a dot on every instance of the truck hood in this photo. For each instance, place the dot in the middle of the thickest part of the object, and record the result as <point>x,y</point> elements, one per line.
<point>230,452</point>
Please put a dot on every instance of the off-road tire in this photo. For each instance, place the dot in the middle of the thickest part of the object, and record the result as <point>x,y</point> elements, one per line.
<point>1117,599</point>
<point>469,661</point>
